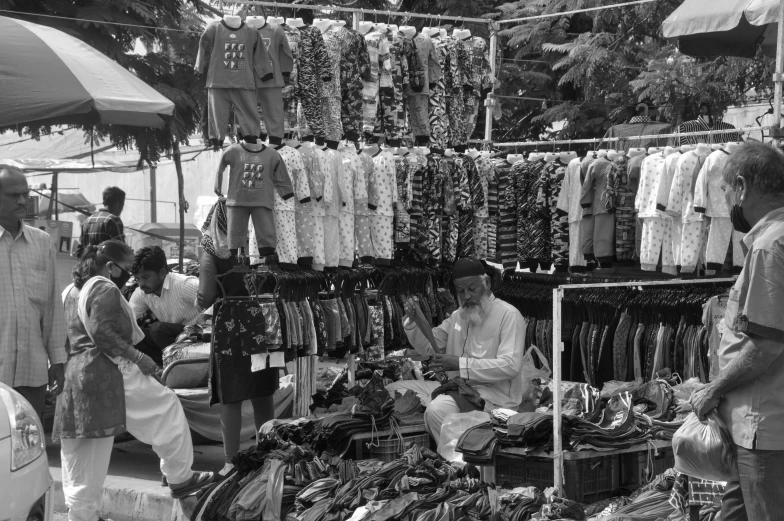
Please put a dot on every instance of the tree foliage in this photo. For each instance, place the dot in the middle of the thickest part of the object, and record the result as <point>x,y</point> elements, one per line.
<point>592,68</point>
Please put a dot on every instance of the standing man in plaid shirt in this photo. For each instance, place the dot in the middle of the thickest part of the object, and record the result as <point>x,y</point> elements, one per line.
<point>32,323</point>
<point>105,224</point>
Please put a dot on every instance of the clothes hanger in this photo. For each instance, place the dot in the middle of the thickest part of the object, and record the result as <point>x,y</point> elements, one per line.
<point>430,30</point>
<point>255,21</point>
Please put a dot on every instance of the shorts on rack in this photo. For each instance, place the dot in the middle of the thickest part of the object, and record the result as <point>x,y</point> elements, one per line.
<point>263,225</point>
<point>219,103</point>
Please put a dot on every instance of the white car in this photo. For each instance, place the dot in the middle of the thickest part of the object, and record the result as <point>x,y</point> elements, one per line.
<point>25,483</point>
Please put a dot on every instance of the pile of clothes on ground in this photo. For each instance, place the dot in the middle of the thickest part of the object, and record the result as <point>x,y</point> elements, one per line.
<point>280,480</point>
<point>621,415</point>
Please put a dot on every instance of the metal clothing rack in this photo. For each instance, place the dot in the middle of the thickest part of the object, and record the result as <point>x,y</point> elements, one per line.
<point>558,295</point>
<point>601,140</point>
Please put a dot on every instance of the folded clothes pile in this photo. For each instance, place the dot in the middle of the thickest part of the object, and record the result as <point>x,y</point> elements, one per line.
<point>532,430</point>
<point>478,444</point>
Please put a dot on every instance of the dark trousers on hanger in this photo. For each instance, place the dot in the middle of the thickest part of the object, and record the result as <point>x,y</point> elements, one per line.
<point>219,103</point>
<point>270,102</point>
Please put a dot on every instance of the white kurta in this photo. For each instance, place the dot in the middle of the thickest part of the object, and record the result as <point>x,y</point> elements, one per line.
<point>491,354</point>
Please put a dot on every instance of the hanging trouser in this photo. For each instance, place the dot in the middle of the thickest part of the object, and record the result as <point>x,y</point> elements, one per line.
<point>576,258</point>
<point>347,238</point>
<point>270,101</point>
<point>657,238</point>
<point>330,114</point>
<point>676,235</point>
<point>263,223</point>
<point>364,237</point>
<point>598,237</point>
<point>691,245</point>
<point>418,115</point>
<point>719,237</point>
<point>381,233</point>
<point>219,102</point>
<point>331,241</point>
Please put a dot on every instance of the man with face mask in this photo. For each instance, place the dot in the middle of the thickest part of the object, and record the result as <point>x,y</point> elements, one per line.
<point>482,342</point>
<point>32,327</point>
<point>748,390</point>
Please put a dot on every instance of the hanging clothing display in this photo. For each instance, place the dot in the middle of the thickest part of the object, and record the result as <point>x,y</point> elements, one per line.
<point>380,76</point>
<point>290,99</point>
<point>254,176</point>
<point>598,227</point>
<point>419,122</point>
<point>709,201</point>
<point>314,69</point>
<point>383,184</point>
<point>234,60</point>
<point>700,125</point>
<point>270,92</point>
<point>568,202</point>
<point>680,205</point>
<point>310,214</point>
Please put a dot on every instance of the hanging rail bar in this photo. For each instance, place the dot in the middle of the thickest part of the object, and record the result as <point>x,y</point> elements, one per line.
<point>401,14</point>
<point>599,140</point>
<point>576,11</point>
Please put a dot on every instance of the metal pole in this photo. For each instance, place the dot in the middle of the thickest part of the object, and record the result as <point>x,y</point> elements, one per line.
<point>153,194</point>
<point>557,441</point>
<point>181,191</point>
<point>490,98</point>
<point>777,79</point>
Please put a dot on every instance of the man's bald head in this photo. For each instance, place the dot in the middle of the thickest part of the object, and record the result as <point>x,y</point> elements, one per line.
<point>14,193</point>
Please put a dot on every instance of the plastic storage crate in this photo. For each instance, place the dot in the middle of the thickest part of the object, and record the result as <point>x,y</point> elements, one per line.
<point>634,466</point>
<point>585,481</point>
<point>393,448</point>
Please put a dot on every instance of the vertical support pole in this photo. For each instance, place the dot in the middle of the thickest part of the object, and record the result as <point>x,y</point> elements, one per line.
<point>356,18</point>
<point>153,194</point>
<point>181,192</point>
<point>777,79</point>
<point>493,66</point>
<point>557,441</point>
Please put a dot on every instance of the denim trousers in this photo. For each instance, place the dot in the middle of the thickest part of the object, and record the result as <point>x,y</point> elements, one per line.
<point>758,494</point>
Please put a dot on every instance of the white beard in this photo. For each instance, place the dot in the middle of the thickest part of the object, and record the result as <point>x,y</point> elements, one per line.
<point>476,314</point>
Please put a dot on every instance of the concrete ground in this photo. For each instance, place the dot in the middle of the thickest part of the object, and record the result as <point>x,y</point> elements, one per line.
<point>132,490</point>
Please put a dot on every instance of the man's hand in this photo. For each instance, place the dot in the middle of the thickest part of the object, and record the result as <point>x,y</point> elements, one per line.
<point>56,379</point>
<point>444,363</point>
<point>410,309</point>
<point>703,401</point>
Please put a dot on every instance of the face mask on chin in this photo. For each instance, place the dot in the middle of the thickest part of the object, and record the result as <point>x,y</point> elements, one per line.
<point>122,279</point>
<point>738,220</point>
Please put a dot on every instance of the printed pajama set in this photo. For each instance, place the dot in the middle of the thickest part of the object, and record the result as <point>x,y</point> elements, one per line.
<point>354,72</point>
<point>709,200</point>
<point>384,186</point>
<point>353,189</point>
<point>314,70</point>
<point>331,163</point>
<point>680,205</point>
<point>380,75</point>
<point>418,101</point>
<point>310,216</point>
<point>290,99</point>
<point>569,203</point>
<point>363,212</point>
<point>656,228</point>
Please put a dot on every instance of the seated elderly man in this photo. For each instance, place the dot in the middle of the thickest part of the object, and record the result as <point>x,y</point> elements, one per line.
<point>482,342</point>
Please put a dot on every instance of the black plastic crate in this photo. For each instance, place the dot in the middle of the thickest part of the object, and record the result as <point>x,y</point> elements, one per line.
<point>585,481</point>
<point>635,466</point>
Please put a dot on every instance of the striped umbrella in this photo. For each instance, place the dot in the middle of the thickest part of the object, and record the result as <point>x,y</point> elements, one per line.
<point>47,76</point>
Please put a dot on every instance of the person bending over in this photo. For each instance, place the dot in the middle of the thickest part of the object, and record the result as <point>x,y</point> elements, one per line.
<point>481,342</point>
<point>170,296</point>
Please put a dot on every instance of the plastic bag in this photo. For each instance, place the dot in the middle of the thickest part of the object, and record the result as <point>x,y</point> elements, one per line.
<point>455,424</point>
<point>533,379</point>
<point>705,450</point>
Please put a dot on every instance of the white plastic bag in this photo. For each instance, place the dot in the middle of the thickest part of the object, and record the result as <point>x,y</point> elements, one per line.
<point>533,379</point>
<point>705,450</point>
<point>454,426</point>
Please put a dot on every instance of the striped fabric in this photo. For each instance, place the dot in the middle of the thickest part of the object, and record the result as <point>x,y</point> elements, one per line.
<point>32,324</point>
<point>177,303</point>
<point>698,125</point>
